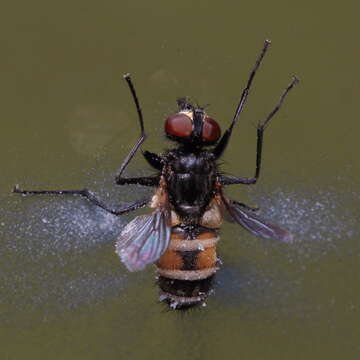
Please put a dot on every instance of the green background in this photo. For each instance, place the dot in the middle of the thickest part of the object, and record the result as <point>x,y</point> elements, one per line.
<point>67,121</point>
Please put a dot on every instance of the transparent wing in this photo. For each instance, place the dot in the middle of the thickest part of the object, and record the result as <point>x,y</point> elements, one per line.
<point>144,239</point>
<point>253,223</point>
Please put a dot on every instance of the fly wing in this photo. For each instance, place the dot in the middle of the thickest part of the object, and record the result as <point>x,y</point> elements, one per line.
<point>144,239</point>
<point>253,223</point>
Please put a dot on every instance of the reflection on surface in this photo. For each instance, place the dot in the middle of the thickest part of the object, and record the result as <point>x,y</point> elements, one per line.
<point>272,301</point>
<point>320,217</point>
<point>57,253</point>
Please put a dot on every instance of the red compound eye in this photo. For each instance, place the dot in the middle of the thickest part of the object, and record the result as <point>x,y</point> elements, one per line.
<point>178,125</point>
<point>211,130</point>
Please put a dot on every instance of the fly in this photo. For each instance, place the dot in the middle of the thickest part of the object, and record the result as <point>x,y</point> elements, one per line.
<point>181,234</point>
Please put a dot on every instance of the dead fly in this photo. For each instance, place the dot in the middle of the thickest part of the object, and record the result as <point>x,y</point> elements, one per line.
<point>181,234</point>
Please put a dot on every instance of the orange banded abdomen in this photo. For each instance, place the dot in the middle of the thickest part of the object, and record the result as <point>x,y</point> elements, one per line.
<point>187,266</point>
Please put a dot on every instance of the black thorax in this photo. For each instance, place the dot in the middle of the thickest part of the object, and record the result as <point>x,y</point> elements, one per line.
<point>190,179</point>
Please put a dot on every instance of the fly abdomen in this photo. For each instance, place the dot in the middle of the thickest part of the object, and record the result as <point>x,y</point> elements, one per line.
<point>187,266</point>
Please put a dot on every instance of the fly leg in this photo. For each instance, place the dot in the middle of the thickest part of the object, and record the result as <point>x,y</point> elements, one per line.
<point>154,160</point>
<point>221,146</point>
<point>89,196</point>
<point>118,178</point>
<point>145,181</point>
<point>229,180</point>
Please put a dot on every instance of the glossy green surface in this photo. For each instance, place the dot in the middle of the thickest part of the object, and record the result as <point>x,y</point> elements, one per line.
<point>67,121</point>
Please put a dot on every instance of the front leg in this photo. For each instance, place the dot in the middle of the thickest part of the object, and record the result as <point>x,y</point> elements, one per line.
<point>142,137</point>
<point>89,196</point>
<point>222,144</point>
<point>144,180</point>
<point>230,180</point>
<point>154,160</point>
